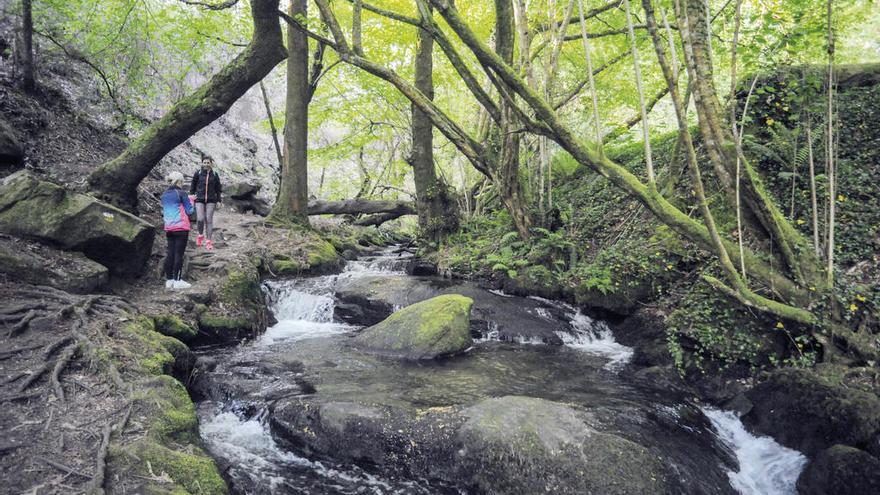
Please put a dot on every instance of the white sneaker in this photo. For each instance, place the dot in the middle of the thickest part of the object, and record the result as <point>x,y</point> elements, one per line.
<point>180,284</point>
<point>169,284</point>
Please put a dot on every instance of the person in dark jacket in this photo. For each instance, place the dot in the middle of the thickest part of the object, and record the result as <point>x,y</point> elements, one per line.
<point>206,188</point>
<point>176,209</point>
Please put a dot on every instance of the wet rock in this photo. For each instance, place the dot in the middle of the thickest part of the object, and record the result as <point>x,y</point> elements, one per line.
<point>509,319</point>
<point>623,301</point>
<point>534,281</point>
<point>426,330</point>
<point>644,331</point>
<point>421,268</point>
<point>30,207</point>
<point>237,309</point>
<point>527,445</point>
<point>841,470</point>
<point>808,410</point>
<point>40,264</point>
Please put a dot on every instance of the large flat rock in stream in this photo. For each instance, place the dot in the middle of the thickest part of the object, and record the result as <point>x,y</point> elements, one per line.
<point>37,209</point>
<point>368,300</point>
<point>503,445</point>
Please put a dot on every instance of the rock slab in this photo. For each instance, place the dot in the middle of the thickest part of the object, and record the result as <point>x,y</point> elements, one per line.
<point>37,209</point>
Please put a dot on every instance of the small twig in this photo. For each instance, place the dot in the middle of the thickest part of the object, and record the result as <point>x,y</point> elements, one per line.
<point>12,352</point>
<point>62,467</point>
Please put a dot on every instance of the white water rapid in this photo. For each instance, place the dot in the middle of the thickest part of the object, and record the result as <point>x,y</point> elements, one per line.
<point>765,467</point>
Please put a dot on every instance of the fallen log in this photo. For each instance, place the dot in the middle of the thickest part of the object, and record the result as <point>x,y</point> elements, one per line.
<point>361,207</point>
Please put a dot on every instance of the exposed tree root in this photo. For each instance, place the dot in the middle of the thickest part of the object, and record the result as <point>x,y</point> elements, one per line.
<point>54,346</point>
<point>97,485</point>
<point>12,352</point>
<point>30,380</point>
<point>18,397</point>
<point>62,363</point>
<point>22,325</point>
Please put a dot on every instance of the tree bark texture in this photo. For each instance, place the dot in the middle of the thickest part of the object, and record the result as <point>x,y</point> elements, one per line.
<point>27,58</point>
<point>437,213</point>
<point>292,204</point>
<point>360,207</point>
<point>117,180</point>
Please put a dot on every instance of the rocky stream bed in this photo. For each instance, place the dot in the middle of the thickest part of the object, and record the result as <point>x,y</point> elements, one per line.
<point>536,404</point>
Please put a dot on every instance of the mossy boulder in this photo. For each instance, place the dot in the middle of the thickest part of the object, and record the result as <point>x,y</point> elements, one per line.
<point>841,470</point>
<point>528,445</point>
<point>426,330</point>
<point>237,308</point>
<point>809,410</point>
<point>321,257</point>
<point>174,326</point>
<point>165,456</point>
<point>160,469</point>
<point>37,209</point>
<point>40,264</point>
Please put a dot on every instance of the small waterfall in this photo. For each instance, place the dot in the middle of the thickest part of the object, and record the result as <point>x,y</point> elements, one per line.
<point>304,310</point>
<point>386,262</point>
<point>765,467</point>
<point>595,337</point>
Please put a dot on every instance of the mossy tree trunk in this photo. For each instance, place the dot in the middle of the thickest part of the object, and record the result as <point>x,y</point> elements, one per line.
<point>117,180</point>
<point>292,203</point>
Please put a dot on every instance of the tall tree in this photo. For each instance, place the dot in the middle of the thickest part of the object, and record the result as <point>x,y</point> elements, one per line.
<point>117,180</point>
<point>293,196</point>
<point>27,35</point>
<point>437,213</point>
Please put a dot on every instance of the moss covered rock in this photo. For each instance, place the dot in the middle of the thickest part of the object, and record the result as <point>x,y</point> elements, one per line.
<point>30,207</point>
<point>528,445</point>
<point>426,330</point>
<point>809,411</point>
<point>237,308</point>
<point>174,326</point>
<point>841,470</point>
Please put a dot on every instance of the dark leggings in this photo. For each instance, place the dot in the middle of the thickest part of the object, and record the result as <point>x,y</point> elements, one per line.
<point>174,253</point>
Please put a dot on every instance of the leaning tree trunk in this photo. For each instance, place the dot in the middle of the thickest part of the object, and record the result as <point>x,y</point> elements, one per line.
<point>292,204</point>
<point>117,180</point>
<point>437,213</point>
<point>27,35</point>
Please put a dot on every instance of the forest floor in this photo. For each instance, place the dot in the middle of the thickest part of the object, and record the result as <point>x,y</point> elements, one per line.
<point>71,368</point>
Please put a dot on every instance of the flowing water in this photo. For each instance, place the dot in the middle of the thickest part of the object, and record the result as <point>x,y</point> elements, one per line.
<point>305,353</point>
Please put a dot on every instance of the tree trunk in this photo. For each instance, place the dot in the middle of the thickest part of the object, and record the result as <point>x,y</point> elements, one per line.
<point>292,204</point>
<point>27,58</point>
<point>117,180</point>
<point>507,177</point>
<point>272,128</point>
<point>437,214</point>
<point>360,207</point>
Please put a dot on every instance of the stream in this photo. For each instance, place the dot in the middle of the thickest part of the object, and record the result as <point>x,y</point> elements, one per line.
<point>527,347</point>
